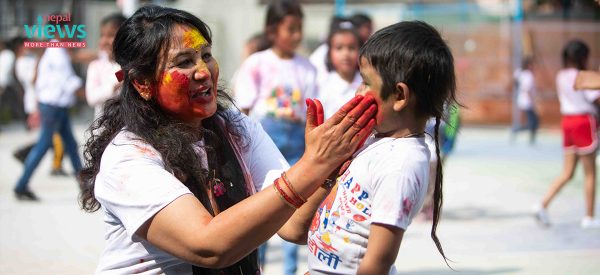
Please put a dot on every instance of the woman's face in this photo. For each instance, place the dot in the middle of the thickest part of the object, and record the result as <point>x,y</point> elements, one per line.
<point>188,85</point>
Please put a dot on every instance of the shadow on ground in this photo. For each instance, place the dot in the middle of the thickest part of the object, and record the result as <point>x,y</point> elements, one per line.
<point>462,271</point>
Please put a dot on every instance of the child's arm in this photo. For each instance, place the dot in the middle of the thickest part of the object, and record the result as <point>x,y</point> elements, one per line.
<point>382,249</point>
<point>587,80</point>
<point>296,228</point>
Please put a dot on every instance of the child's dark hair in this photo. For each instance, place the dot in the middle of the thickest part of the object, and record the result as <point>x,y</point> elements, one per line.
<point>260,41</point>
<point>526,62</point>
<point>140,47</point>
<point>341,27</point>
<point>116,19</point>
<point>575,54</point>
<point>360,19</point>
<point>414,53</point>
<point>279,9</point>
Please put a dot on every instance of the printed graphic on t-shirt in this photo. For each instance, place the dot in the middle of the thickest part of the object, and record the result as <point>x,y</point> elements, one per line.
<point>284,102</point>
<point>343,208</point>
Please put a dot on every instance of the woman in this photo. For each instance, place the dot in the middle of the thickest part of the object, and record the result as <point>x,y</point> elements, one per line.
<point>174,168</point>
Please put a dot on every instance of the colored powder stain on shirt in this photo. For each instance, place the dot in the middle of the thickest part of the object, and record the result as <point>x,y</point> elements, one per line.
<point>146,151</point>
<point>406,206</point>
<point>193,39</point>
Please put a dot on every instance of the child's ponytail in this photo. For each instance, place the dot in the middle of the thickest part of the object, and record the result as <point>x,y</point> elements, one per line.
<point>438,195</point>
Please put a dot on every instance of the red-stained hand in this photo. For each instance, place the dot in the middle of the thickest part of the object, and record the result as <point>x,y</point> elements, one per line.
<point>335,140</point>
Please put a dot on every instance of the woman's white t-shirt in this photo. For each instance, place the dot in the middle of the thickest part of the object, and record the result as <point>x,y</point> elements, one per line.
<point>132,186</point>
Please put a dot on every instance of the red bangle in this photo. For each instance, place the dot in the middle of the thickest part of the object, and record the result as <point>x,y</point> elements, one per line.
<point>289,186</point>
<point>285,196</point>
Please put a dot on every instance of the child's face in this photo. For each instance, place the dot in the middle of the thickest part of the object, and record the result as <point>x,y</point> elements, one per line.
<point>372,85</point>
<point>365,31</point>
<point>344,52</point>
<point>107,36</point>
<point>188,85</point>
<point>288,34</point>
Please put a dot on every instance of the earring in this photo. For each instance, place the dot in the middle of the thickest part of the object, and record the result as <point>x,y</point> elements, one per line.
<point>145,93</point>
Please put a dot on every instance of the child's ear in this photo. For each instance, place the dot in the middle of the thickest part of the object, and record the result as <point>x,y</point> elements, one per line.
<point>402,96</point>
<point>143,89</point>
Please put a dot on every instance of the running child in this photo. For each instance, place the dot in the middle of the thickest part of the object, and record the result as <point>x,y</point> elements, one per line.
<point>580,134</point>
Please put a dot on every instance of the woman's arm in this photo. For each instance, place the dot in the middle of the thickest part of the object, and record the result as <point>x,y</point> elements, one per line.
<point>185,229</point>
<point>382,249</point>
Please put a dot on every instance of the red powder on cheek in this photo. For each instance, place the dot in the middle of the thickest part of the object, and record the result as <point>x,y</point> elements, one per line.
<point>173,94</point>
<point>176,80</point>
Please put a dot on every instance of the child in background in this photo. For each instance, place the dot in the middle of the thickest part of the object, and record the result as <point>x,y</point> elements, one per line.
<point>526,99</point>
<point>580,134</point>
<point>319,56</point>
<point>272,85</point>
<point>25,72</point>
<point>342,79</point>
<point>363,24</point>
<point>359,225</point>
<point>101,83</point>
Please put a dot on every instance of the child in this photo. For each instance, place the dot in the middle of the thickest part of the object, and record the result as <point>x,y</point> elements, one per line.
<point>525,99</point>
<point>342,79</point>
<point>271,86</point>
<point>579,128</point>
<point>359,226</point>
<point>318,57</point>
<point>101,83</point>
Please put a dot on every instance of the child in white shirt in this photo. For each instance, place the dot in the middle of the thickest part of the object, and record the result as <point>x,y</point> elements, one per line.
<point>358,227</point>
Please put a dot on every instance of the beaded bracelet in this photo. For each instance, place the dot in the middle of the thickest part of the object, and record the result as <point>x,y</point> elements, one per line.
<point>287,183</point>
<point>284,196</point>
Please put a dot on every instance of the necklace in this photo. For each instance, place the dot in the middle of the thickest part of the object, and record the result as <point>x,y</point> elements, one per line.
<point>409,135</point>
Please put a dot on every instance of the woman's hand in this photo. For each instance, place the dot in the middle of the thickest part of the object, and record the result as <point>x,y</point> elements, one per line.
<point>332,142</point>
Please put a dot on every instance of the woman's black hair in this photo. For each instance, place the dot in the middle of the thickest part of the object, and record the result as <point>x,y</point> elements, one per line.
<point>279,9</point>
<point>413,52</point>
<point>140,47</point>
<point>575,54</point>
<point>341,27</point>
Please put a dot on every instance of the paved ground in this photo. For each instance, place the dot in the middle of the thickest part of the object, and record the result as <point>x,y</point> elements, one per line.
<point>486,228</point>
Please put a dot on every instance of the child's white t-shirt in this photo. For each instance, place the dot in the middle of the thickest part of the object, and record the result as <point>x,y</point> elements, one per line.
<point>334,92</point>
<point>269,85</point>
<point>525,89</point>
<point>574,102</point>
<point>132,186</point>
<point>386,184</point>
